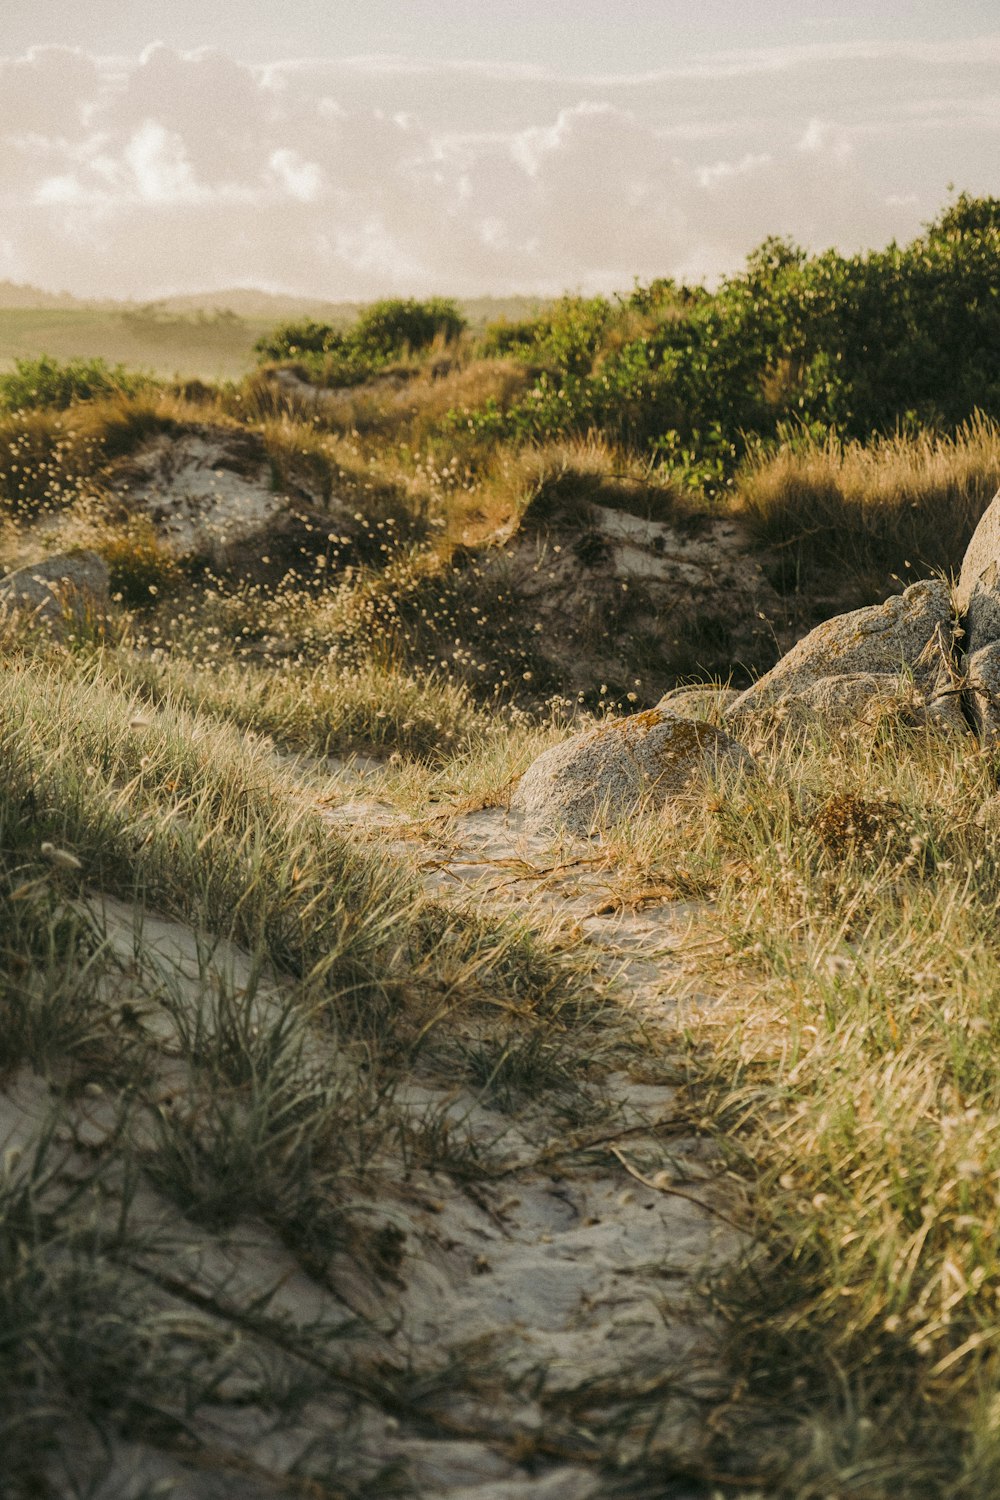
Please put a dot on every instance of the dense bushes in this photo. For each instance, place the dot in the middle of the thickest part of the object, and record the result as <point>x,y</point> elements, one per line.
<point>832,343</point>
<point>567,335</point>
<point>394,326</point>
<point>795,344</point>
<point>293,340</point>
<point>389,329</point>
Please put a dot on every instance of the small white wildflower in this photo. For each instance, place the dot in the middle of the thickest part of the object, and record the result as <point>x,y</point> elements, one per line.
<point>61,858</point>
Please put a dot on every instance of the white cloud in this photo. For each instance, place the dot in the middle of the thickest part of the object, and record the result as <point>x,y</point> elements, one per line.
<point>160,168</point>
<point>821,138</point>
<point>351,179</point>
<point>301,179</point>
<point>55,190</point>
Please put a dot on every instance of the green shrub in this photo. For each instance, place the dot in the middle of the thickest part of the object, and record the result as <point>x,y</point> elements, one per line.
<point>45,382</point>
<point>698,379</point>
<point>293,340</point>
<point>503,338</point>
<point>853,345</point>
<point>567,336</point>
<point>395,326</point>
<point>386,330</point>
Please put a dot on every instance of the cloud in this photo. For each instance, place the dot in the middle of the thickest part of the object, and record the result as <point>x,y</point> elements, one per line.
<point>302,179</point>
<point>978,52</point>
<point>190,171</point>
<point>49,92</point>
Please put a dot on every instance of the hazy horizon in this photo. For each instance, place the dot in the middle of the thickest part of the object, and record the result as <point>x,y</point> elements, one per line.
<point>341,153</point>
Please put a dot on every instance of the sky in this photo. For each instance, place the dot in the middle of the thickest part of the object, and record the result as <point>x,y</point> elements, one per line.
<point>475,147</point>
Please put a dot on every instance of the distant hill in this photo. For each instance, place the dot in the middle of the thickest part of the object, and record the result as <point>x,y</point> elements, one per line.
<point>249,303</point>
<point>253,304</point>
<point>245,302</point>
<point>208,334</point>
<point>15,294</point>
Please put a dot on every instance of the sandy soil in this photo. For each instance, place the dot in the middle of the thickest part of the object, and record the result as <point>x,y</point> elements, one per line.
<point>583,1268</point>
<point>566,1288</point>
<point>202,489</point>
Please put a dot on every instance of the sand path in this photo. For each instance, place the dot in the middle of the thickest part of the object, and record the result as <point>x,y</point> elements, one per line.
<point>580,1273</point>
<point>544,1329</point>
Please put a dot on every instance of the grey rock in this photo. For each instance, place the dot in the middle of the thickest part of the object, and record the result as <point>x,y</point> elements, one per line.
<point>444,1467</point>
<point>619,767</point>
<point>977,597</point>
<point>944,710</point>
<point>850,694</point>
<point>570,1483</point>
<point>944,683</point>
<point>911,631</point>
<point>69,583</point>
<point>851,697</point>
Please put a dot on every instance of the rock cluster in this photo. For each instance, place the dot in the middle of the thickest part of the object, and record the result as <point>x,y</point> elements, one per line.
<point>936,649</point>
<point>846,662</point>
<point>930,651</point>
<point>977,599</point>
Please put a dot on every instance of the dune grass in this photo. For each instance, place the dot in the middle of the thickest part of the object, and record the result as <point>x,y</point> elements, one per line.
<point>254,1089</point>
<point>873,514</point>
<point>196,819</point>
<point>848,1059</point>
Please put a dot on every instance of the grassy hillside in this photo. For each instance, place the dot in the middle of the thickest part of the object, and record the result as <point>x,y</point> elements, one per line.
<point>312,1066</point>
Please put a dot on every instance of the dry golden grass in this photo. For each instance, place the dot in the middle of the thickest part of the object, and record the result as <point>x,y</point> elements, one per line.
<point>851,956</point>
<point>416,409</point>
<point>558,479</point>
<point>866,512</point>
